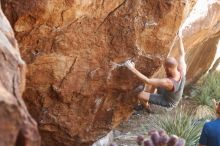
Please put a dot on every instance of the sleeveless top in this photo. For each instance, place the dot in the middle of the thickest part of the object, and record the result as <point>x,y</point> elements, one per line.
<point>175,95</point>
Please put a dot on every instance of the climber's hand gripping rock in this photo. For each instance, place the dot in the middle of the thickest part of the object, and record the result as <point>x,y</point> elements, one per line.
<point>130,65</point>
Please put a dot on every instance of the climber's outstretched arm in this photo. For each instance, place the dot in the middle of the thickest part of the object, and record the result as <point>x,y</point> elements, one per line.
<point>182,60</point>
<point>165,83</point>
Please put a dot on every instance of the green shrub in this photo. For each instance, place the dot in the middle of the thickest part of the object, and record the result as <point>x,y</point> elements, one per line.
<point>209,89</point>
<point>181,124</point>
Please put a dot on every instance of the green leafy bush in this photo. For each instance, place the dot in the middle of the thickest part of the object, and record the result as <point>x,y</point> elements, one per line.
<point>181,124</point>
<point>208,89</point>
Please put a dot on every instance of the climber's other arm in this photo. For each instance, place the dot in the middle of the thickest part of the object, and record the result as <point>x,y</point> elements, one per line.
<point>182,61</point>
<point>164,83</point>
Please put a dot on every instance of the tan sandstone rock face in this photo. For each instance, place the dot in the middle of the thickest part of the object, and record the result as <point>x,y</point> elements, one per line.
<point>201,33</point>
<point>16,125</point>
<point>77,87</point>
<point>201,39</point>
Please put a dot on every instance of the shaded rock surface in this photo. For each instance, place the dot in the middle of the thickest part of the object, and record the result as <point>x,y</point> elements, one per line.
<point>77,88</point>
<point>16,125</point>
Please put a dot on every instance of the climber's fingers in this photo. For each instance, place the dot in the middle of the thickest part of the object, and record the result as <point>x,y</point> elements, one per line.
<point>129,64</point>
<point>132,63</point>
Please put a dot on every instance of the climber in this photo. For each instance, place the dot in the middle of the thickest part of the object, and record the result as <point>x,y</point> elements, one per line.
<point>169,89</point>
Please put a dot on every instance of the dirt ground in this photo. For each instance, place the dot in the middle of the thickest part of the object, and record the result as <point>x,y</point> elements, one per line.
<point>126,133</point>
<point>139,122</point>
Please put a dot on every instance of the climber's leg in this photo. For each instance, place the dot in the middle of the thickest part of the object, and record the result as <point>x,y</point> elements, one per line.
<point>144,98</point>
<point>136,91</point>
<point>152,98</point>
<point>160,99</point>
<point>145,95</point>
<point>143,92</point>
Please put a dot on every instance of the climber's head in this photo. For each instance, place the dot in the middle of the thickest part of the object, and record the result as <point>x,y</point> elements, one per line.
<point>170,66</point>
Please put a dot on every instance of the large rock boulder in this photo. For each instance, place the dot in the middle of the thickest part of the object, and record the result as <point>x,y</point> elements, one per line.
<point>16,125</point>
<point>77,87</point>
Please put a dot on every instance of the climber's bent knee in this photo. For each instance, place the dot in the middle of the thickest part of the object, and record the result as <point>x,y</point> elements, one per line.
<point>144,96</point>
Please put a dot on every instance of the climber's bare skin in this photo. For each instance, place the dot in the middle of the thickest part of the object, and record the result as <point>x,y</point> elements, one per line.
<point>171,66</point>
